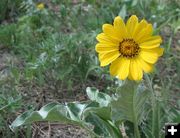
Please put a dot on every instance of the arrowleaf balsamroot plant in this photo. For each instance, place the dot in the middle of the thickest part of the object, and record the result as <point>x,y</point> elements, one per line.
<point>131,49</point>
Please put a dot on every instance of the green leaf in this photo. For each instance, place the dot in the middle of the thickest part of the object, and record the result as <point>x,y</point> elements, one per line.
<point>72,113</point>
<point>101,98</point>
<point>123,11</point>
<point>104,127</point>
<point>128,103</point>
<point>102,109</point>
<point>100,114</point>
<point>50,112</point>
<point>174,115</point>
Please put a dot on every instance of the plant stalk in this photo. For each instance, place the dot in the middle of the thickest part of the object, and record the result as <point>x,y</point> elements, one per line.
<point>136,130</point>
<point>155,126</point>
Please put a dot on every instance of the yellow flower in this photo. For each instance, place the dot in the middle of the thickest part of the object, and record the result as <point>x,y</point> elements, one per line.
<point>129,48</point>
<point>40,6</point>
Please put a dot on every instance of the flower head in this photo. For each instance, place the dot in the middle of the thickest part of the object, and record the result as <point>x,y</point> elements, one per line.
<point>40,6</point>
<point>129,48</point>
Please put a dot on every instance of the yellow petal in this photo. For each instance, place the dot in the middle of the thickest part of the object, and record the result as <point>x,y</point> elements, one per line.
<point>152,42</point>
<point>135,70</point>
<point>147,67</point>
<point>130,76</point>
<point>132,24</point>
<point>144,34</point>
<point>109,30</point>
<point>104,48</point>
<point>140,27</point>
<point>103,38</point>
<point>148,56</point>
<point>120,27</point>
<point>159,51</point>
<point>107,58</point>
<point>114,68</point>
<point>124,68</point>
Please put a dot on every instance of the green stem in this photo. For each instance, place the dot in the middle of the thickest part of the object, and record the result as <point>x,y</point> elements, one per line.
<point>28,131</point>
<point>136,130</point>
<point>155,126</point>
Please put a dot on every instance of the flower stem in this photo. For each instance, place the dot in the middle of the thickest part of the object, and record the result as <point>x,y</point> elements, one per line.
<point>154,108</point>
<point>136,130</point>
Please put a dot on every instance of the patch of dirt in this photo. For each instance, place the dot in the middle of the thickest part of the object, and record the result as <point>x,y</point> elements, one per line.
<point>56,130</point>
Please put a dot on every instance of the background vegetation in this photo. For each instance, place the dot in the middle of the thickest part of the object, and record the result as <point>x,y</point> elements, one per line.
<point>48,55</point>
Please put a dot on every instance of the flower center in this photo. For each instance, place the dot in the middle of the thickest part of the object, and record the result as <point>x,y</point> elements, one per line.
<point>128,48</point>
